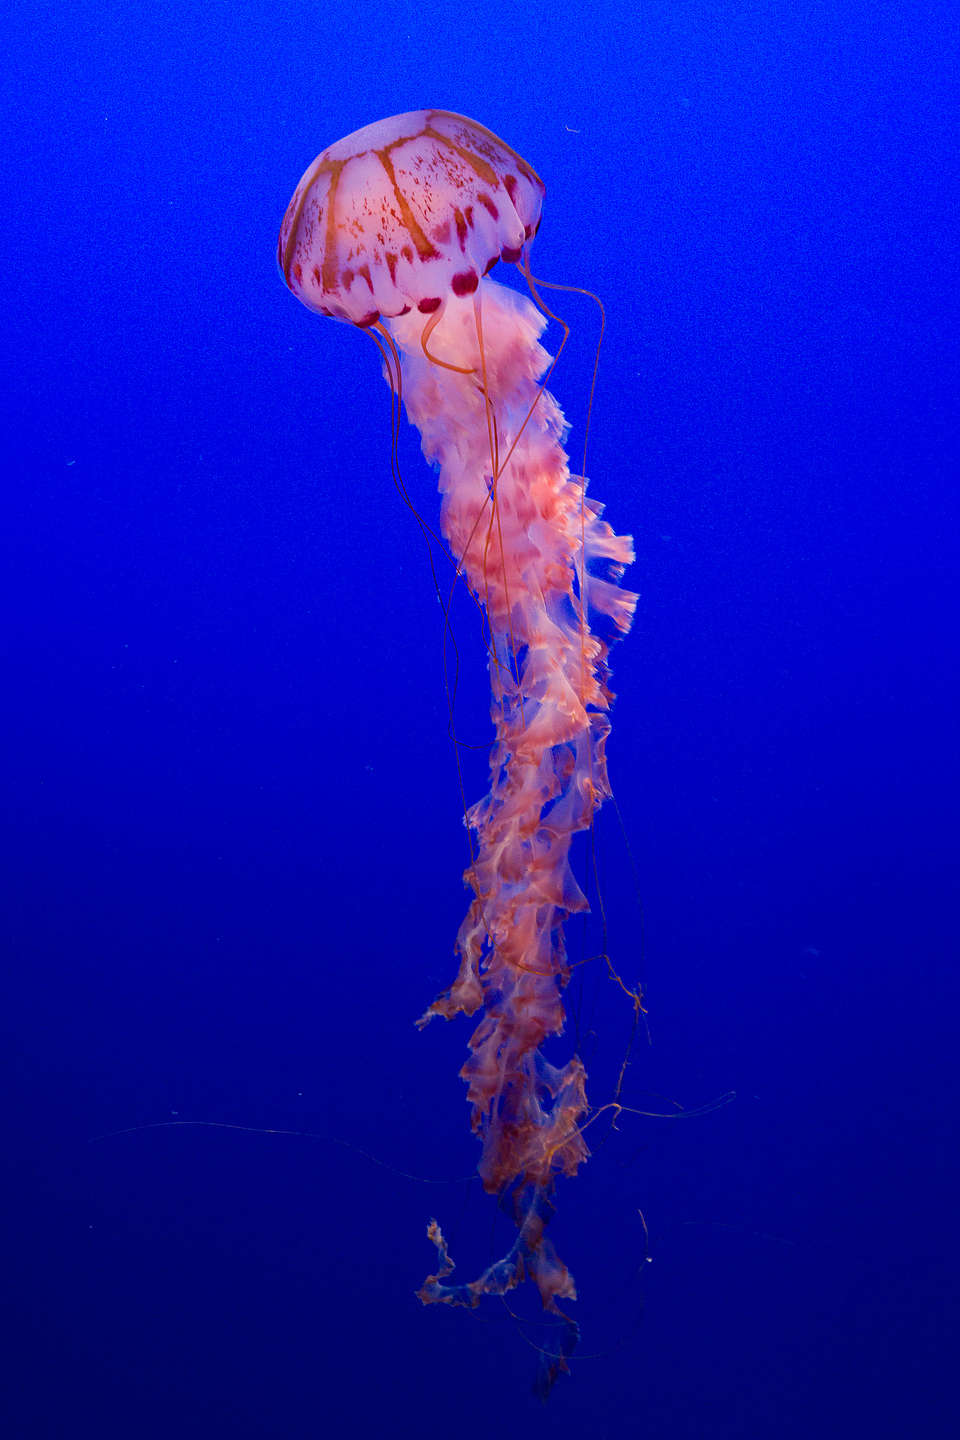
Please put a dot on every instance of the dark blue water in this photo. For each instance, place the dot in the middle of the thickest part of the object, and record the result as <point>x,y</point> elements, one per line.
<point>232,831</point>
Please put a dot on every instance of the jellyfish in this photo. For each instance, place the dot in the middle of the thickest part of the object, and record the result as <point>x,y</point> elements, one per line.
<point>395,230</point>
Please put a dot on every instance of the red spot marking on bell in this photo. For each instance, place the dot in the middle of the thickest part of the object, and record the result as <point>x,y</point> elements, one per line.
<point>368,320</point>
<point>490,264</point>
<point>511,255</point>
<point>405,310</point>
<point>407,253</point>
<point>364,272</point>
<point>346,279</point>
<point>441,233</point>
<point>391,260</point>
<point>510,185</point>
<point>298,273</point>
<point>427,307</point>
<point>461,225</point>
<point>469,215</point>
<point>488,205</point>
<point>465,283</point>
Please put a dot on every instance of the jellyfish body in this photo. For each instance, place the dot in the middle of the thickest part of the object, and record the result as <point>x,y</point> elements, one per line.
<point>403,214</point>
<point>396,229</point>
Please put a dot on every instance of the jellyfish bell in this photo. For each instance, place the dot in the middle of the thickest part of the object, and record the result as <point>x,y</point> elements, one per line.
<point>404,213</point>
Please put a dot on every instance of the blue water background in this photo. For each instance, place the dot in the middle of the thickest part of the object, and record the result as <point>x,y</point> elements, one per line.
<point>232,831</point>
